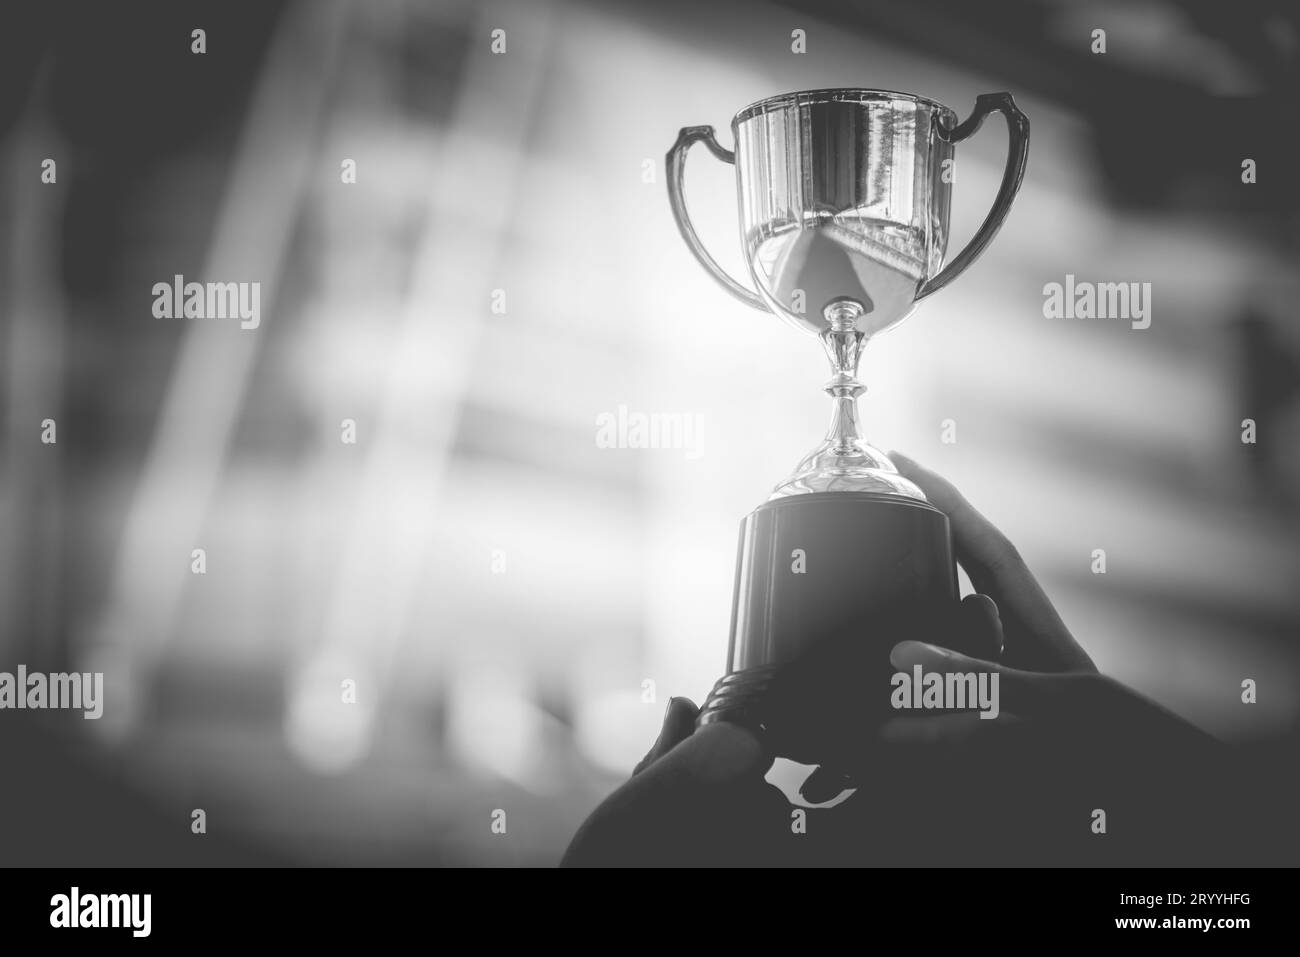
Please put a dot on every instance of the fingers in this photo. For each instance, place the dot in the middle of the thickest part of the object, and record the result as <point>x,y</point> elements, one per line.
<point>710,761</point>
<point>940,729</point>
<point>701,802</point>
<point>679,722</point>
<point>979,631</point>
<point>994,565</point>
<point>720,753</point>
<point>1018,692</point>
<point>1035,635</point>
<point>1072,709</point>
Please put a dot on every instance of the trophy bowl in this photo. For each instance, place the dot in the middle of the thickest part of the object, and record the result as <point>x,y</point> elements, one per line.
<point>844,195</point>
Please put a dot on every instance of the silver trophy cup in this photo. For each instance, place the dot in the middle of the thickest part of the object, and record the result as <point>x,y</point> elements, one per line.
<point>843,200</point>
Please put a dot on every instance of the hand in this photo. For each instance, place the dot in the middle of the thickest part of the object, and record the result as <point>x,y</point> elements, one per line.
<point>697,797</point>
<point>841,688</point>
<point>1044,675</point>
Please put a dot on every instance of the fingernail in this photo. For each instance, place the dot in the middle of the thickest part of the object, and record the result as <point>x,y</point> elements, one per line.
<point>905,654</point>
<point>669,710</point>
<point>980,604</point>
<point>663,723</point>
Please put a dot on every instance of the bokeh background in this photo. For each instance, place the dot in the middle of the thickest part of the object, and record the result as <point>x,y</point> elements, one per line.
<point>516,603</point>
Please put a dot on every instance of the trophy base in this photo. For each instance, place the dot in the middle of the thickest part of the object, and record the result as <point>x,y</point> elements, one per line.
<point>826,584</point>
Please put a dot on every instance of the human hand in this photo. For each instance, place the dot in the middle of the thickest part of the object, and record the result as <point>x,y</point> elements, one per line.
<point>697,797</point>
<point>1044,675</point>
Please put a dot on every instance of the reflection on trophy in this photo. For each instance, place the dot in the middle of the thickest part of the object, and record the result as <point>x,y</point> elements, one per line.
<point>844,199</point>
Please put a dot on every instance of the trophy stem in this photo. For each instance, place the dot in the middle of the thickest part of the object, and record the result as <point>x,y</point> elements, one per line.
<point>843,343</point>
<point>844,462</point>
<point>844,432</point>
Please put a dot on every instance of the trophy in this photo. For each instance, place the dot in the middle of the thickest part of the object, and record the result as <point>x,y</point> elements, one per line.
<point>844,199</point>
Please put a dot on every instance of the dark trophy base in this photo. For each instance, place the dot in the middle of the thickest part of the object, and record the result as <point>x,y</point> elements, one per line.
<point>826,584</point>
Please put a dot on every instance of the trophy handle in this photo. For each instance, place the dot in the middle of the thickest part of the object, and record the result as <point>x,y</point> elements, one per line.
<point>675,162</point>
<point>1017,157</point>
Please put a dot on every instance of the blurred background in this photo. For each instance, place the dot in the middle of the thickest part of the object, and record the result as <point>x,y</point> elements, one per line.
<point>515,602</point>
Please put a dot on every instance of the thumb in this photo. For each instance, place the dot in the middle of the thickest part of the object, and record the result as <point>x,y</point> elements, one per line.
<point>716,754</point>
<point>679,722</point>
<point>1018,692</point>
<point>703,802</point>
